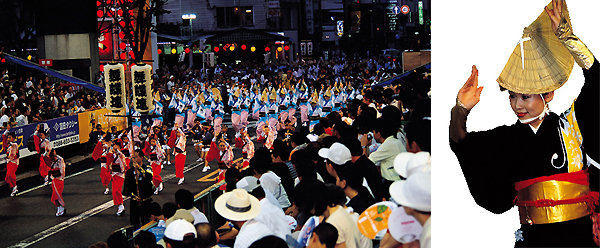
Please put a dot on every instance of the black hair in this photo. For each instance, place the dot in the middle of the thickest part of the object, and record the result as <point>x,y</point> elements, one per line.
<point>419,131</point>
<point>261,160</point>
<point>118,240</point>
<point>298,138</point>
<point>280,149</point>
<point>11,134</point>
<point>145,239</point>
<point>384,128</point>
<point>334,195</point>
<point>169,209</point>
<point>232,175</point>
<point>327,234</point>
<point>184,198</point>
<point>206,235</point>
<point>303,164</point>
<point>258,192</point>
<point>270,241</point>
<point>155,209</point>
<point>306,199</point>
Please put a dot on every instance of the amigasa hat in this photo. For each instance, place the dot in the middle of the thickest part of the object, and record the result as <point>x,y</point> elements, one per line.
<point>539,63</point>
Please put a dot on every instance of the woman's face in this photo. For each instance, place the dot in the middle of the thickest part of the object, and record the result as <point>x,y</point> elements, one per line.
<point>528,106</point>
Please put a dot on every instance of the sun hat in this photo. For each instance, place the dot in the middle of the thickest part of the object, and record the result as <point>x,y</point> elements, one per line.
<point>414,192</point>
<point>181,214</point>
<point>338,154</point>
<point>248,183</point>
<point>539,63</point>
<point>178,229</point>
<point>237,205</point>
<point>408,163</point>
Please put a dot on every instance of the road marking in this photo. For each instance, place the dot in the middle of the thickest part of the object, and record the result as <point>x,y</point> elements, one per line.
<point>79,218</point>
<point>41,186</point>
<point>64,225</point>
<point>205,178</point>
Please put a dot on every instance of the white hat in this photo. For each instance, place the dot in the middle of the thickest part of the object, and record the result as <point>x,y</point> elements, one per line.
<point>338,154</point>
<point>178,229</point>
<point>408,163</point>
<point>414,192</point>
<point>237,205</point>
<point>248,183</point>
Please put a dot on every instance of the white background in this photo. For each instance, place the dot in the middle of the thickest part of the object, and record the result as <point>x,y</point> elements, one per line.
<point>484,33</point>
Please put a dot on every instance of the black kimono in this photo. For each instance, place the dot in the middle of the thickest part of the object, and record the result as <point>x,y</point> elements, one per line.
<point>493,161</point>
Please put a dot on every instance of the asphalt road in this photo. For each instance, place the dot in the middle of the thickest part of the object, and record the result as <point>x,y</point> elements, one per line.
<point>28,220</point>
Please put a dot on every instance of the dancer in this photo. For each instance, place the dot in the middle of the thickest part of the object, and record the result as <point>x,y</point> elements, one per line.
<point>116,162</point>
<point>549,161</point>
<point>100,154</point>
<point>12,162</point>
<point>180,154</point>
<point>42,145</point>
<point>155,154</point>
<point>57,172</point>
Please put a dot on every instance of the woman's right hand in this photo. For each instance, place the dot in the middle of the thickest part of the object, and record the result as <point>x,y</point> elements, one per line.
<point>469,94</point>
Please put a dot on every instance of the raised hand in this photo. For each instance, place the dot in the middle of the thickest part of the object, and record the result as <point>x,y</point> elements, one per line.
<point>555,13</point>
<point>469,94</point>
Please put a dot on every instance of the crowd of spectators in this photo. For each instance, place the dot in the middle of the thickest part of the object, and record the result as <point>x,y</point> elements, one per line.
<point>315,182</point>
<point>30,99</point>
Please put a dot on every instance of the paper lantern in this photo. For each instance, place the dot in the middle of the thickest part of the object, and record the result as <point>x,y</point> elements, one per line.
<point>286,48</point>
<point>159,51</point>
<point>279,49</point>
<point>231,48</point>
<point>99,13</point>
<point>141,81</point>
<point>243,47</point>
<point>267,49</point>
<point>187,50</point>
<point>174,51</point>
<point>114,81</point>
<point>252,49</point>
<point>216,49</point>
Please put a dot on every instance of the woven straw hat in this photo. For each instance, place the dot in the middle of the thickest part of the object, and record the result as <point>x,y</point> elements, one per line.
<point>547,63</point>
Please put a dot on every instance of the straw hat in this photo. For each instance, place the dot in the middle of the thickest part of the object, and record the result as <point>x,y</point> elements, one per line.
<point>539,63</point>
<point>273,94</point>
<point>237,93</point>
<point>237,205</point>
<point>328,92</point>
<point>315,97</point>
<point>265,95</point>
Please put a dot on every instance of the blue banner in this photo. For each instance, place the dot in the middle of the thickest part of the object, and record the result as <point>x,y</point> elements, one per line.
<point>61,132</point>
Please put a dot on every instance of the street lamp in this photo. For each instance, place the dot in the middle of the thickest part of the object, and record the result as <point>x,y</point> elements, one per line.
<point>189,17</point>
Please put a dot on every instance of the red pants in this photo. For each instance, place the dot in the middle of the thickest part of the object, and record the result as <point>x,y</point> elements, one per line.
<point>57,189</point>
<point>156,178</point>
<point>105,176</point>
<point>179,164</point>
<point>43,167</point>
<point>11,177</point>
<point>117,188</point>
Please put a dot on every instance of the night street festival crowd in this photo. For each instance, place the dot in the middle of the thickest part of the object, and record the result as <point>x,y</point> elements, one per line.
<point>334,161</point>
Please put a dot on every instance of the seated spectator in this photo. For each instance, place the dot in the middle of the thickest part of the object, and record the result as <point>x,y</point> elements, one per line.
<point>335,214</point>
<point>323,236</point>
<point>144,239</point>
<point>185,200</point>
<point>180,234</point>
<point>240,208</point>
<point>414,194</point>
<point>271,182</point>
<point>207,237</point>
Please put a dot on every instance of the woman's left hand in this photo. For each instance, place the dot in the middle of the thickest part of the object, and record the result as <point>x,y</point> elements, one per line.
<point>555,14</point>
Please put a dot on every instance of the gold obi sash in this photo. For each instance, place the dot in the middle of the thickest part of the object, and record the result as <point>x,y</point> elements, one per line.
<point>556,198</point>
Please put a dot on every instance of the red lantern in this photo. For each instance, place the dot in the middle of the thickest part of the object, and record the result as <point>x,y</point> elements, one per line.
<point>3,60</point>
<point>100,13</point>
<point>98,3</point>
<point>101,67</point>
<point>123,56</point>
<point>159,51</point>
<point>216,49</point>
<point>122,23</point>
<point>122,46</point>
<point>121,35</point>
<point>187,50</point>
<point>267,49</point>
<point>286,48</point>
<point>120,12</point>
<point>243,47</point>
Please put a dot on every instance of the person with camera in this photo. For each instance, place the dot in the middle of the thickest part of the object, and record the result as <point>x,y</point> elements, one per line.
<point>57,173</point>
